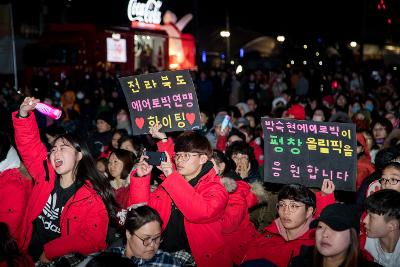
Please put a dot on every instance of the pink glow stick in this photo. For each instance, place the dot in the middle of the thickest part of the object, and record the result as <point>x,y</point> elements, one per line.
<point>48,110</point>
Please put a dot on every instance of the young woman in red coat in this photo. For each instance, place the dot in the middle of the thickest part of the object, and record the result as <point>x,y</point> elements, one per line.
<point>69,208</point>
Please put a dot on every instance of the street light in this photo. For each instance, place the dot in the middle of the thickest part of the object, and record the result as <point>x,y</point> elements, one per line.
<point>280,38</point>
<point>225,34</point>
<point>353,44</point>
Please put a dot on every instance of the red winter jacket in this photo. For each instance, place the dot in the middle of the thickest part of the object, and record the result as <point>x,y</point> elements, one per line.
<point>237,229</point>
<point>84,219</point>
<point>202,207</point>
<point>15,189</point>
<point>273,247</point>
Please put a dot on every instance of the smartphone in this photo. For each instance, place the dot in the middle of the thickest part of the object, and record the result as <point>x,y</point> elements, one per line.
<point>155,158</point>
<point>225,122</point>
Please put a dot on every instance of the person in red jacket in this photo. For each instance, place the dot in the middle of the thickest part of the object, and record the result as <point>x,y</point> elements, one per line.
<point>191,200</point>
<point>14,187</point>
<point>237,229</point>
<point>70,204</point>
<point>297,206</point>
<point>364,166</point>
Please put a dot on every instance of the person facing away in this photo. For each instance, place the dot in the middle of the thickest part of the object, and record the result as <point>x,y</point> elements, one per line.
<point>380,241</point>
<point>15,188</point>
<point>336,240</point>
<point>191,199</point>
<point>71,202</point>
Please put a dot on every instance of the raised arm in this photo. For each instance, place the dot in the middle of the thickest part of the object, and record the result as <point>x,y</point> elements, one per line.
<point>139,187</point>
<point>27,138</point>
<point>325,197</point>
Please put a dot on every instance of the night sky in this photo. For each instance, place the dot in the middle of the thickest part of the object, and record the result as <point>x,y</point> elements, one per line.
<point>329,19</point>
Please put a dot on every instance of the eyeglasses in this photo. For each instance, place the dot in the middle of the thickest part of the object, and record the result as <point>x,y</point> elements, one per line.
<point>391,181</point>
<point>184,156</point>
<point>148,240</point>
<point>293,207</point>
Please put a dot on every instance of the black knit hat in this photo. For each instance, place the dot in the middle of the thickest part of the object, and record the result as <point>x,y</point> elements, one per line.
<point>108,117</point>
<point>339,217</point>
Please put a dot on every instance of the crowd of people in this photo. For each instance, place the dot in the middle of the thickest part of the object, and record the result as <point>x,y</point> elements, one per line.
<point>82,191</point>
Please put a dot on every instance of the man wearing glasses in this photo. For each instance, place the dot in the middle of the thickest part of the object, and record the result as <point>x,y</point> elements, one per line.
<point>191,200</point>
<point>297,206</point>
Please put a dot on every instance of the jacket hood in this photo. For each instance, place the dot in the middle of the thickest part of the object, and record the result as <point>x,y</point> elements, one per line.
<point>229,184</point>
<point>259,191</point>
<point>363,142</point>
<point>12,160</point>
<point>125,183</point>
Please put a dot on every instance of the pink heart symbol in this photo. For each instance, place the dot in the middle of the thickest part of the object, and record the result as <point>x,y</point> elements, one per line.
<point>139,122</point>
<point>190,117</point>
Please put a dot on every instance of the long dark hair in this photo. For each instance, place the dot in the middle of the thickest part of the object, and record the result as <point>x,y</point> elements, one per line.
<point>86,171</point>
<point>8,246</point>
<point>352,256</point>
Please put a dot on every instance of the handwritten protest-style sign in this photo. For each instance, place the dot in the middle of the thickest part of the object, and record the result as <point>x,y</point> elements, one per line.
<point>167,97</point>
<point>307,152</point>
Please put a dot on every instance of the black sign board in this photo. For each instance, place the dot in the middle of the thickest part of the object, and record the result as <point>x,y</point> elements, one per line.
<point>307,152</point>
<point>167,97</point>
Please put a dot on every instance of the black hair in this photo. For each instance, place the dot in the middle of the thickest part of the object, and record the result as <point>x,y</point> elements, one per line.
<point>234,112</point>
<point>385,123</point>
<point>254,115</point>
<point>5,145</point>
<point>129,138</point>
<point>8,246</point>
<point>122,132</point>
<point>137,217</point>
<point>220,157</point>
<point>243,148</point>
<point>249,131</point>
<point>392,164</point>
<point>127,158</point>
<point>86,171</point>
<point>54,130</point>
<point>110,259</point>
<point>384,202</point>
<point>238,134</point>
<point>102,160</point>
<point>385,156</point>
<point>298,192</point>
<point>190,141</point>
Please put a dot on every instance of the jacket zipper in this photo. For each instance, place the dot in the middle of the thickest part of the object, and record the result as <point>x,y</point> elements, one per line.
<point>64,211</point>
